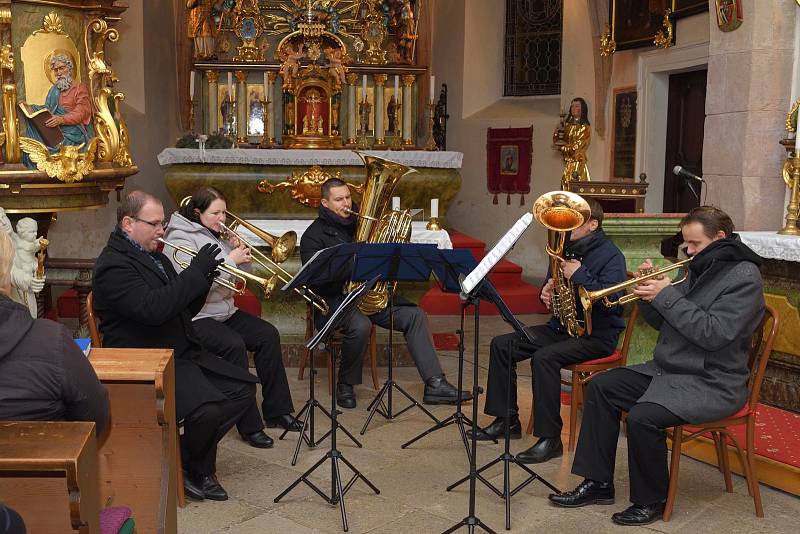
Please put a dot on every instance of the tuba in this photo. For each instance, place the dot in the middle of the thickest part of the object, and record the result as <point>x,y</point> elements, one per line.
<point>561,212</point>
<point>376,224</point>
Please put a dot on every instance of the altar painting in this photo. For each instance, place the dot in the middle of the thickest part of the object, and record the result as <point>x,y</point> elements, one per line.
<point>255,109</point>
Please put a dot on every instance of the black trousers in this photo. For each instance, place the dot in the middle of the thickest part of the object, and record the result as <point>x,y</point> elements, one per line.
<point>230,340</point>
<point>207,425</point>
<point>552,352</point>
<point>607,395</point>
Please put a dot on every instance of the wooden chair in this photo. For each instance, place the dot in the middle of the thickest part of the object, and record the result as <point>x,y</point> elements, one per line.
<point>94,333</point>
<point>50,467</point>
<point>761,347</point>
<point>373,352</point>
<point>583,372</point>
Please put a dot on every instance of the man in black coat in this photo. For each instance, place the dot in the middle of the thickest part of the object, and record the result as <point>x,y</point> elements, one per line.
<point>336,225</point>
<point>142,302</point>
<point>591,261</point>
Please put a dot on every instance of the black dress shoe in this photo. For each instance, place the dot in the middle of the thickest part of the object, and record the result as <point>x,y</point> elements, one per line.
<point>639,514</point>
<point>193,488</point>
<point>439,391</point>
<point>544,449</point>
<point>258,440</point>
<point>345,396</point>
<point>286,421</point>
<point>497,430</point>
<point>587,492</point>
<point>213,490</point>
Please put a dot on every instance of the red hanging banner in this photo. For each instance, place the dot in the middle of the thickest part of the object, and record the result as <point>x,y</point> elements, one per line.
<point>508,161</point>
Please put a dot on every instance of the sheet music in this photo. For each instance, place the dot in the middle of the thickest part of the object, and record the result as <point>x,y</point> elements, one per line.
<point>344,307</point>
<point>287,285</point>
<point>497,253</point>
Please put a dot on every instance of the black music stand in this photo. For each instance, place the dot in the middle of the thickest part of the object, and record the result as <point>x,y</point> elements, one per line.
<point>341,315</point>
<point>391,262</point>
<point>328,265</point>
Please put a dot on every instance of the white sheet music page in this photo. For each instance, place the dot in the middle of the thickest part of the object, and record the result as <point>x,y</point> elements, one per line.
<point>496,254</point>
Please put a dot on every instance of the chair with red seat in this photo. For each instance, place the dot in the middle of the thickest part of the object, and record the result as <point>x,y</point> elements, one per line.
<point>583,372</point>
<point>760,349</point>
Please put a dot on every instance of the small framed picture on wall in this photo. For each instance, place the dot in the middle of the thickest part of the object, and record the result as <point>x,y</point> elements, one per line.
<point>623,146</point>
<point>634,23</point>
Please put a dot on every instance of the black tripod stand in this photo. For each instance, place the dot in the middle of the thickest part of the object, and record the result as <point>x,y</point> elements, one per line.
<point>338,490</point>
<point>307,416</point>
<point>385,408</point>
<point>508,459</point>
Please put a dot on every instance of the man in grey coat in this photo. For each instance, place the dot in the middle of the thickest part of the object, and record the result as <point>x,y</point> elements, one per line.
<point>698,372</point>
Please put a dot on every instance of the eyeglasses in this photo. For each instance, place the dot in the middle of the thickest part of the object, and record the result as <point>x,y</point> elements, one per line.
<point>154,224</point>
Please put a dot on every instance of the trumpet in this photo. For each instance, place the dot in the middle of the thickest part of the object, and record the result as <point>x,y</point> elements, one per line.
<point>588,298</point>
<point>239,277</point>
<point>278,272</point>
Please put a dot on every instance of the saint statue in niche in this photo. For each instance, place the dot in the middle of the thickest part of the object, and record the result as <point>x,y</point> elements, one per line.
<point>576,135</point>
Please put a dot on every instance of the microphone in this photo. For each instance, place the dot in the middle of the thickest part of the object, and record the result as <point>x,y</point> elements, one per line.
<point>680,171</point>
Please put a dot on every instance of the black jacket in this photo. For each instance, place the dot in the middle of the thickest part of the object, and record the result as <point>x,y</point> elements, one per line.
<point>602,265</point>
<point>44,376</point>
<point>139,307</point>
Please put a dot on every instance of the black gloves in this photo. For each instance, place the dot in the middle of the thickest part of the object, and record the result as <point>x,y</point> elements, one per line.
<point>206,258</point>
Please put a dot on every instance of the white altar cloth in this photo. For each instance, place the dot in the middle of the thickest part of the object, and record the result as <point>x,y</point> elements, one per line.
<point>241,156</point>
<point>772,245</point>
<point>278,227</point>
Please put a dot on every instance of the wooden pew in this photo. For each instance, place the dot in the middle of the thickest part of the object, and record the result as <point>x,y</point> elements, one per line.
<point>137,461</point>
<point>48,473</point>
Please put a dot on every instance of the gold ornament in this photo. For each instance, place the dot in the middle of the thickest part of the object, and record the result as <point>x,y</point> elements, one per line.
<point>663,39</point>
<point>68,165</point>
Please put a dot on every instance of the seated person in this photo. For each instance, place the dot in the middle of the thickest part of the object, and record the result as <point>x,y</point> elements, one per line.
<point>222,328</point>
<point>10,521</point>
<point>44,376</point>
<point>336,225</point>
<point>698,373</point>
<point>591,261</point>
<point>143,302</point>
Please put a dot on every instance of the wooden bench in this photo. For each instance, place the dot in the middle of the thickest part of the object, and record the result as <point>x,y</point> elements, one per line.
<point>137,462</point>
<point>48,473</point>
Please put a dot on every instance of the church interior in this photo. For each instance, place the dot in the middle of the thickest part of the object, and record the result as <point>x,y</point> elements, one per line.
<point>232,203</point>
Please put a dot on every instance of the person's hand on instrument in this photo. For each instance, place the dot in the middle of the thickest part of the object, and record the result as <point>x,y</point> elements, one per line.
<point>649,289</point>
<point>206,259</point>
<point>239,255</point>
<point>568,267</point>
<point>547,293</point>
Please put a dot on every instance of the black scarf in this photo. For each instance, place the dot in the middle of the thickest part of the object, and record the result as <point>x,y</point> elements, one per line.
<point>346,222</point>
<point>721,252</point>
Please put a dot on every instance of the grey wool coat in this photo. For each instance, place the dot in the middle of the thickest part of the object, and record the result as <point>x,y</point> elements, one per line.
<point>699,366</point>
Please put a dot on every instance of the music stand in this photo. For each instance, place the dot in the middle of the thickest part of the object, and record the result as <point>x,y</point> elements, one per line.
<point>326,266</point>
<point>341,315</point>
<point>391,262</point>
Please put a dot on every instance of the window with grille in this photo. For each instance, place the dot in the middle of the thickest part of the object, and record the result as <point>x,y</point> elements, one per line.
<point>533,47</point>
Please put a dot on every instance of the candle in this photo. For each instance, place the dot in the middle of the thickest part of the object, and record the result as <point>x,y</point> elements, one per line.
<point>230,86</point>
<point>364,86</point>
<point>395,203</point>
<point>191,85</point>
<point>434,207</point>
<point>397,88</point>
<point>433,87</point>
<point>266,84</point>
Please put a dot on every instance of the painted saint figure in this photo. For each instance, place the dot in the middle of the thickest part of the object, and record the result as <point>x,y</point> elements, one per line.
<point>577,135</point>
<point>70,104</point>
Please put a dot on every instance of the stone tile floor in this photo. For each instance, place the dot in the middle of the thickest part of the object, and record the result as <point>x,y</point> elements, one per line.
<point>412,482</point>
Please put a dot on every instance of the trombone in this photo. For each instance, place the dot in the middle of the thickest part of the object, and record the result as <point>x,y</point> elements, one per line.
<point>239,277</point>
<point>272,265</point>
<point>588,298</point>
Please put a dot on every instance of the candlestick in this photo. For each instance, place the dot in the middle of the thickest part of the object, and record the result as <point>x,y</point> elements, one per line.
<point>793,208</point>
<point>434,207</point>
<point>433,87</point>
<point>191,85</point>
<point>395,203</point>
<point>431,142</point>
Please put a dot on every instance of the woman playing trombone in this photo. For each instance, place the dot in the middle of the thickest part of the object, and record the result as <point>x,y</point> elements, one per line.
<point>227,330</point>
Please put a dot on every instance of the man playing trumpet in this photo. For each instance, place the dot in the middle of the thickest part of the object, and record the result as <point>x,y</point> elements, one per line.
<point>698,372</point>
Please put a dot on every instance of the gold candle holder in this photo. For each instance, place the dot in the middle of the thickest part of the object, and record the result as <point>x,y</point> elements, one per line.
<point>792,168</point>
<point>433,224</point>
<point>191,115</point>
<point>364,109</point>
<point>431,143</point>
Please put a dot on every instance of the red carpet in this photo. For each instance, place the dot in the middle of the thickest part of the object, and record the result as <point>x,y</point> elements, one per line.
<point>520,296</point>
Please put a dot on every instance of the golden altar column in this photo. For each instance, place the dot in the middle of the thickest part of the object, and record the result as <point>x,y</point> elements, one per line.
<point>352,79</point>
<point>241,106</point>
<point>408,81</point>
<point>380,82</point>
<point>271,107</point>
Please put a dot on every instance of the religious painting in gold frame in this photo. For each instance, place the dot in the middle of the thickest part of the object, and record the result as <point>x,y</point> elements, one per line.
<point>623,144</point>
<point>684,8</point>
<point>255,109</point>
<point>634,23</point>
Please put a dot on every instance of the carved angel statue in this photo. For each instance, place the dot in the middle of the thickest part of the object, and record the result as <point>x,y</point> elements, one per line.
<point>24,282</point>
<point>336,66</point>
<point>68,164</point>
<point>291,65</point>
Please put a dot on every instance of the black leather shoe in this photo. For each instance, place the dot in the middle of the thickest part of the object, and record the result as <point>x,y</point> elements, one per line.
<point>258,440</point>
<point>192,488</point>
<point>497,430</point>
<point>544,449</point>
<point>587,492</point>
<point>213,490</point>
<point>286,421</point>
<point>439,391</point>
<point>639,514</point>
<point>345,396</point>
